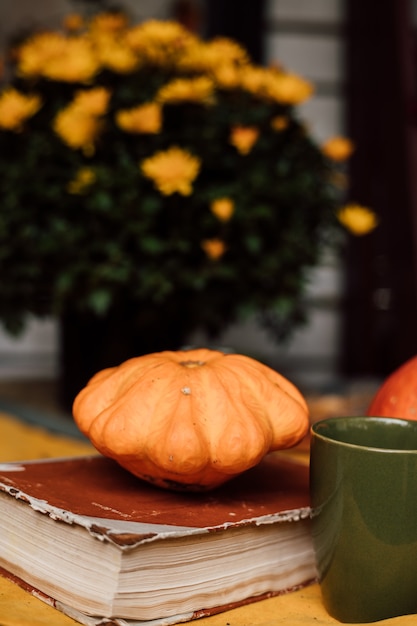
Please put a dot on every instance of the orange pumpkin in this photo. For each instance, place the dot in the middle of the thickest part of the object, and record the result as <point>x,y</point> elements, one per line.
<point>397,396</point>
<point>190,419</point>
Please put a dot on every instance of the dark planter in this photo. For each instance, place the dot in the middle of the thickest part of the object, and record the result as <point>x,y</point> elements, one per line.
<point>90,343</point>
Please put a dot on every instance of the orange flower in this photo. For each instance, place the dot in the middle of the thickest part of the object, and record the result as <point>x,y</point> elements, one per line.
<point>146,118</point>
<point>36,52</point>
<point>77,129</point>
<point>243,138</point>
<point>159,41</point>
<point>84,178</point>
<point>359,220</point>
<point>226,75</point>
<point>156,33</point>
<point>113,52</point>
<point>76,62</point>
<point>279,123</point>
<point>92,101</point>
<point>214,248</point>
<point>338,148</point>
<point>254,79</point>
<point>110,22</point>
<point>223,50</point>
<point>198,89</point>
<point>73,22</point>
<point>210,57</point>
<point>288,89</point>
<point>274,84</point>
<point>172,170</point>
<point>16,107</point>
<point>222,208</point>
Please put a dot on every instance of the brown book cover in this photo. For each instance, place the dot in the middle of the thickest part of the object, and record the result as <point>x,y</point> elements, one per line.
<point>105,547</point>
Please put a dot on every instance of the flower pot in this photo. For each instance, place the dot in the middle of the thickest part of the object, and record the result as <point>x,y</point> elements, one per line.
<point>90,343</point>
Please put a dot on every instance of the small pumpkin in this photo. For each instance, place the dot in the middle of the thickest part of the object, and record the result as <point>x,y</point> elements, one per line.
<point>397,396</point>
<point>190,419</point>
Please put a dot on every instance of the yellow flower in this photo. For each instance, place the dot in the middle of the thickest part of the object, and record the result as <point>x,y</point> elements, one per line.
<point>254,79</point>
<point>57,57</point>
<point>84,178</point>
<point>77,129</point>
<point>274,84</point>
<point>223,208</point>
<point>286,88</point>
<point>111,22</point>
<point>214,248</point>
<point>279,123</point>
<point>198,89</point>
<point>193,57</point>
<point>159,42</point>
<point>359,220</point>
<point>225,50</point>
<point>92,101</point>
<point>209,56</point>
<point>172,170</point>
<point>16,107</point>
<point>146,118</point>
<point>79,124</point>
<point>338,148</point>
<point>162,33</point>
<point>37,51</point>
<point>77,62</point>
<point>117,56</point>
<point>226,76</point>
<point>73,22</point>
<point>243,138</point>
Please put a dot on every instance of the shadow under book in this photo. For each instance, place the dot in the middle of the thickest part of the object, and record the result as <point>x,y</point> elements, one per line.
<point>107,548</point>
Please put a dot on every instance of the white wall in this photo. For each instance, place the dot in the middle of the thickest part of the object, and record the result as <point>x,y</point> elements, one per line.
<point>33,355</point>
<point>305,36</point>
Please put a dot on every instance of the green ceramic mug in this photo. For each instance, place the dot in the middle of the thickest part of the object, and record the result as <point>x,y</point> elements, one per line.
<point>363,481</point>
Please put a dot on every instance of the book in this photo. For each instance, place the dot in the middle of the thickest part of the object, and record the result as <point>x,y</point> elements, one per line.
<point>105,547</point>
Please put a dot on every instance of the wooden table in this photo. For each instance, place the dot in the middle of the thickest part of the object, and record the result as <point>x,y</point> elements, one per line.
<point>20,441</point>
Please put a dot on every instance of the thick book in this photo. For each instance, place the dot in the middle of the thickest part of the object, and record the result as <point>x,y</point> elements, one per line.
<point>105,547</point>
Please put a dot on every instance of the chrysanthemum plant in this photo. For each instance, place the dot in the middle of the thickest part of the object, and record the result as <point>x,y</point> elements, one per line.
<point>143,165</point>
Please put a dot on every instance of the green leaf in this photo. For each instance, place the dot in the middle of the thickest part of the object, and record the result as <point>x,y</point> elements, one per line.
<point>253,243</point>
<point>152,245</point>
<point>100,300</point>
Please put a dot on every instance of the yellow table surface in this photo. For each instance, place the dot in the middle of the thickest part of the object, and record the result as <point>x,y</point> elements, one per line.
<point>19,441</point>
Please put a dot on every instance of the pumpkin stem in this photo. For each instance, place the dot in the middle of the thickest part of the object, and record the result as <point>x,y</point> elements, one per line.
<point>192,363</point>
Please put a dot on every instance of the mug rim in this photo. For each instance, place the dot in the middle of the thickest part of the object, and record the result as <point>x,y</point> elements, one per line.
<point>373,418</point>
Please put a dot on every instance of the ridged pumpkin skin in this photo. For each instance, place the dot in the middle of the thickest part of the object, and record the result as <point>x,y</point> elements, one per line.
<point>397,396</point>
<point>190,419</point>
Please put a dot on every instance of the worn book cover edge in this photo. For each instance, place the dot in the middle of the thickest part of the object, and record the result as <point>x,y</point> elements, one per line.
<point>129,534</point>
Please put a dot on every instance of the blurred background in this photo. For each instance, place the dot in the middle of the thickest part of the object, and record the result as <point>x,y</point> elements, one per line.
<point>362,60</point>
